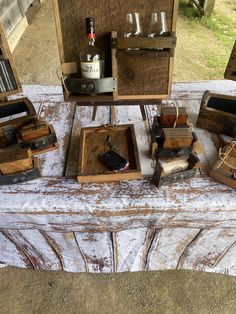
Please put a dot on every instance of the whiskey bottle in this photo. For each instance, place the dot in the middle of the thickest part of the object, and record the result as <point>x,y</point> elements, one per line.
<point>92,61</point>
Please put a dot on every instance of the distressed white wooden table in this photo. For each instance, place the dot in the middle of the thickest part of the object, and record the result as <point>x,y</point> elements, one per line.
<point>55,223</point>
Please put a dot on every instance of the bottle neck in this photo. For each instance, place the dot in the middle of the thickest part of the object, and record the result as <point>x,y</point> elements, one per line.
<point>91,38</point>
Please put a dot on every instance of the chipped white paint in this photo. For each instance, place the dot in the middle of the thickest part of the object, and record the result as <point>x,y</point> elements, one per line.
<point>206,252</point>
<point>9,253</point>
<point>168,246</point>
<point>67,250</point>
<point>88,227</point>
<point>97,251</point>
<point>130,246</point>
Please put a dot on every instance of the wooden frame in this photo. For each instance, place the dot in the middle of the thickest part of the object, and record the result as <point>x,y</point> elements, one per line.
<point>5,54</point>
<point>230,72</point>
<point>140,84</point>
<point>93,141</point>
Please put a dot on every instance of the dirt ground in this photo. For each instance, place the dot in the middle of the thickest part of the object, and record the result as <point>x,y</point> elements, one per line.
<point>183,292</point>
<point>26,291</point>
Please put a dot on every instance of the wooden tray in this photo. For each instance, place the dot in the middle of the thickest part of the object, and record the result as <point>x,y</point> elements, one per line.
<point>218,113</point>
<point>94,141</point>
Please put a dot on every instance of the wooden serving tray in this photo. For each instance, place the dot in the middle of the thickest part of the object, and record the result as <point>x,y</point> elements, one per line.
<point>97,140</point>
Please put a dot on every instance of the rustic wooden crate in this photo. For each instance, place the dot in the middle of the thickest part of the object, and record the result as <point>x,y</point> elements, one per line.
<point>156,148</point>
<point>222,171</point>
<point>140,76</point>
<point>218,113</point>
<point>5,54</point>
<point>177,172</point>
<point>230,72</point>
<point>94,141</point>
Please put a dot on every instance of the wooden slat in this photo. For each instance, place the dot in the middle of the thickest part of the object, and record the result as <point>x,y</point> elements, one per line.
<point>8,56</point>
<point>67,250</point>
<point>61,117</point>
<point>26,242</point>
<point>208,249</point>
<point>83,118</point>
<point>168,246</point>
<point>132,247</point>
<point>12,254</point>
<point>97,250</point>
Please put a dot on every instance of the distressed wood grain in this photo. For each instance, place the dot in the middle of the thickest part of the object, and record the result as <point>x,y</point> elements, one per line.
<point>209,249</point>
<point>168,246</point>
<point>10,254</point>
<point>33,258</point>
<point>67,250</point>
<point>97,250</point>
<point>132,247</point>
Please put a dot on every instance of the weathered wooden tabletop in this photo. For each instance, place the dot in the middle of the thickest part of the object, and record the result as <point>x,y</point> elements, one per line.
<point>55,223</point>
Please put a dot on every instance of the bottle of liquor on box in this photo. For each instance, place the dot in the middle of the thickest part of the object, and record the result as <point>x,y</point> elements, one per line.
<point>92,60</point>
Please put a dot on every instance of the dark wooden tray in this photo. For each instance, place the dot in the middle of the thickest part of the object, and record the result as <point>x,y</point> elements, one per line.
<point>94,141</point>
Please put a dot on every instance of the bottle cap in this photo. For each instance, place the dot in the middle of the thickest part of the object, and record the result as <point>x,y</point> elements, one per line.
<point>90,26</point>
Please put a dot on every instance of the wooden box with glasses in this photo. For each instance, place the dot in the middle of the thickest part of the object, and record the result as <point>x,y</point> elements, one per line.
<point>137,67</point>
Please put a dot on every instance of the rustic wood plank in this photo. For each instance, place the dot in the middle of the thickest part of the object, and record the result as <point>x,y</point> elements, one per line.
<point>26,242</point>
<point>97,250</point>
<point>12,254</point>
<point>83,118</point>
<point>61,116</point>
<point>132,248</point>
<point>168,246</point>
<point>66,247</point>
<point>128,114</point>
<point>48,259</point>
<point>61,204</point>
<point>210,248</point>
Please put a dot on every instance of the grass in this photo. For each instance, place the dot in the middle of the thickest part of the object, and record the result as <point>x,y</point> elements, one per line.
<point>219,27</point>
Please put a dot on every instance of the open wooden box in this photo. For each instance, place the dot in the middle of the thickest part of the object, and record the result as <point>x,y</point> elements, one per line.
<point>21,136</point>
<point>156,148</point>
<point>140,75</point>
<point>218,113</point>
<point>95,141</point>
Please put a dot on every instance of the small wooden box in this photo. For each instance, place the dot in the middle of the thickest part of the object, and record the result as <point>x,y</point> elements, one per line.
<point>95,141</point>
<point>177,137</point>
<point>218,113</point>
<point>157,149</point>
<point>168,116</point>
<point>34,130</point>
<point>222,172</point>
<point>168,172</point>
<point>13,160</point>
